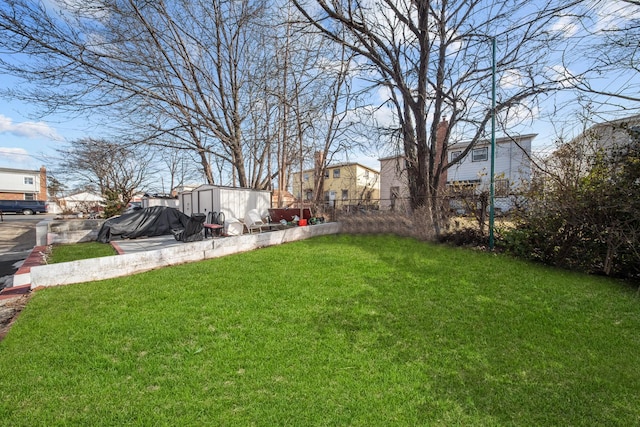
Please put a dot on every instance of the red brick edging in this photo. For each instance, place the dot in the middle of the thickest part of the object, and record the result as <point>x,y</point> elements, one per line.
<point>16,291</point>
<point>117,248</point>
<point>35,258</point>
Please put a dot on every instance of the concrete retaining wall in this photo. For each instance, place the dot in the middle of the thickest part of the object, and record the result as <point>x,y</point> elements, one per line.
<point>123,265</point>
<point>49,232</point>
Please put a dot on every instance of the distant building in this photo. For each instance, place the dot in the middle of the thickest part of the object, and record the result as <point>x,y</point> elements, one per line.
<point>344,184</point>
<point>84,202</point>
<point>611,135</point>
<point>512,168</point>
<point>282,198</point>
<point>575,159</point>
<point>394,187</point>
<point>22,184</point>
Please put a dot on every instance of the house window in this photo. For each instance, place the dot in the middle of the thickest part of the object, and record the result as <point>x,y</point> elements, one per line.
<point>306,177</point>
<point>393,196</point>
<point>326,174</point>
<point>336,173</point>
<point>345,194</point>
<point>309,194</point>
<point>480,154</point>
<point>330,198</point>
<point>366,174</point>
<point>501,188</point>
<point>454,154</point>
<point>28,180</point>
<point>29,196</point>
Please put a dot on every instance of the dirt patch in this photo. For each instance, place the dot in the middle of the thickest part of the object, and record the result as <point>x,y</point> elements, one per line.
<point>9,311</point>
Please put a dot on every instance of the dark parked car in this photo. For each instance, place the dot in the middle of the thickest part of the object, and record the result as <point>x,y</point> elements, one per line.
<point>26,207</point>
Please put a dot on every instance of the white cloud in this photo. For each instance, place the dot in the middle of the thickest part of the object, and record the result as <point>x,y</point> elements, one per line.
<point>518,115</point>
<point>511,79</point>
<point>563,76</point>
<point>12,155</point>
<point>31,130</point>
<point>566,25</point>
<point>383,116</point>
<point>615,14</point>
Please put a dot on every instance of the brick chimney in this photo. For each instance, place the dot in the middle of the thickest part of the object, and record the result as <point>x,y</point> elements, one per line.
<point>42,194</point>
<point>441,152</point>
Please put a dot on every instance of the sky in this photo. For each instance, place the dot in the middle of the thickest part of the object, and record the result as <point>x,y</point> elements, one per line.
<point>28,142</point>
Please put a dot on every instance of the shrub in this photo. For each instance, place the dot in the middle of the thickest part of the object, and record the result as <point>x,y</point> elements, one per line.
<point>586,216</point>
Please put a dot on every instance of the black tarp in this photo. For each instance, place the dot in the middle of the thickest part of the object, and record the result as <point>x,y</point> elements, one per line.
<point>148,222</point>
<point>193,230</point>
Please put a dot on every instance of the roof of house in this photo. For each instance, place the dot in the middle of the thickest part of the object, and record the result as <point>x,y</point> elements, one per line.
<point>611,125</point>
<point>635,119</point>
<point>83,196</point>
<point>30,171</point>
<point>500,140</point>
<point>482,142</point>
<point>338,165</point>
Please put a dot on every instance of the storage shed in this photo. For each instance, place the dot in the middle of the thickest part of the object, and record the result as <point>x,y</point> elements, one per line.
<point>233,202</point>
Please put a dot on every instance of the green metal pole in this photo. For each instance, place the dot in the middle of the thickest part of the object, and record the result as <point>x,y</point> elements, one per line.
<point>493,143</point>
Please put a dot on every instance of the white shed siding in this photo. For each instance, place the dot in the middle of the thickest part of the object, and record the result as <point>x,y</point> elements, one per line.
<point>186,202</point>
<point>156,201</point>
<point>204,199</point>
<point>233,202</point>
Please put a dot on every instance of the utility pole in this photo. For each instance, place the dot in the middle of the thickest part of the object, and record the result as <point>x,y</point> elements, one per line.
<point>493,143</point>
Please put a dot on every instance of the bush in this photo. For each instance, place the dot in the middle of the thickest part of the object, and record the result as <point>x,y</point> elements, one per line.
<point>465,237</point>
<point>584,217</point>
<point>113,204</point>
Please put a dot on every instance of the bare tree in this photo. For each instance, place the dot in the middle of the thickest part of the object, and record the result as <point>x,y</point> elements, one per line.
<point>231,82</point>
<point>340,98</point>
<point>296,106</point>
<point>434,58</point>
<point>114,169</point>
<point>609,40</point>
<point>178,68</point>
<point>177,166</point>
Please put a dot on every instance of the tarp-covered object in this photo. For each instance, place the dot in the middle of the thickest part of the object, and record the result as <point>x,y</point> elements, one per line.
<point>193,230</point>
<point>154,221</point>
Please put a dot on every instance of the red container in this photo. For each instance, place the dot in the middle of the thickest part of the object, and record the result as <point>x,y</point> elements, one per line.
<point>302,222</point>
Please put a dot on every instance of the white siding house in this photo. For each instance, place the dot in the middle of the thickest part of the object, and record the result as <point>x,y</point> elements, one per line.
<point>512,168</point>
<point>82,202</point>
<point>512,161</point>
<point>21,184</point>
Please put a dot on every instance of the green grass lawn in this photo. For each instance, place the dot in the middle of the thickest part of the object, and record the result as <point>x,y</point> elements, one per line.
<point>338,330</point>
<point>74,252</point>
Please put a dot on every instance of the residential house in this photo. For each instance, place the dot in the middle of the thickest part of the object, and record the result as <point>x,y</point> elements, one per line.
<point>612,135</point>
<point>21,184</point>
<point>512,168</point>
<point>574,159</point>
<point>394,188</point>
<point>82,202</point>
<point>344,185</point>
